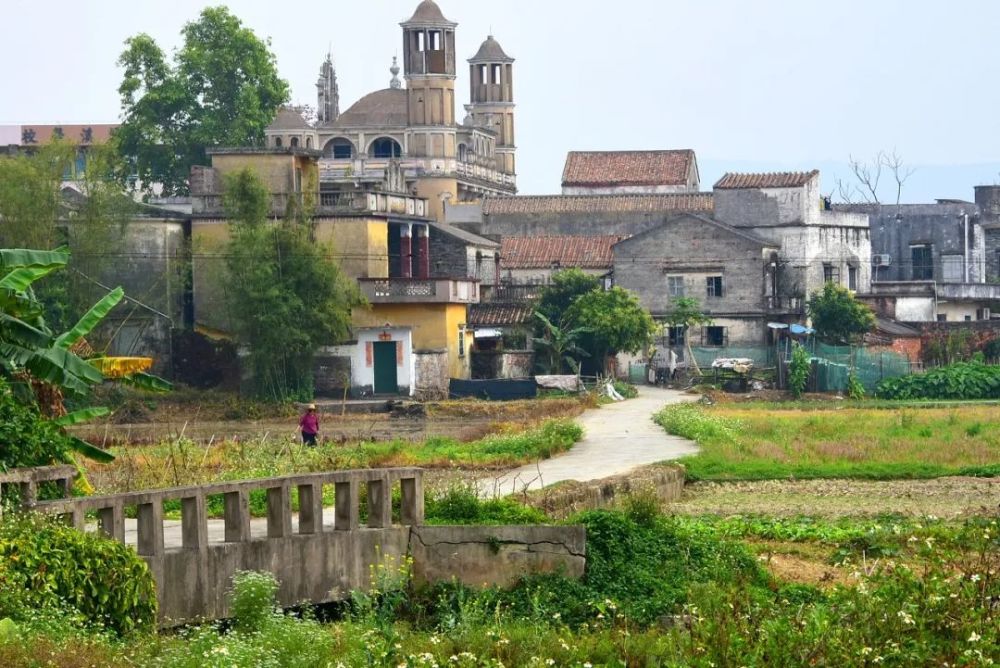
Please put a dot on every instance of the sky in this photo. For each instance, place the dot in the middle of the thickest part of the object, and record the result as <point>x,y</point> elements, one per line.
<point>762,85</point>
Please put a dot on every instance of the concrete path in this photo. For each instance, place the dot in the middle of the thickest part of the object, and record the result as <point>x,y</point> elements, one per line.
<point>617,438</point>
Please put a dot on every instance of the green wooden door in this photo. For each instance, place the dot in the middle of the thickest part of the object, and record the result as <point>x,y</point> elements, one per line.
<point>385,367</point>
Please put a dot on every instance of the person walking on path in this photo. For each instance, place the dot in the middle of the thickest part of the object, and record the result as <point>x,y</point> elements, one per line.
<point>309,424</point>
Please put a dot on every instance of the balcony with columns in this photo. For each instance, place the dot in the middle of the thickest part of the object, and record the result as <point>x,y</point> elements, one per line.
<point>410,280</point>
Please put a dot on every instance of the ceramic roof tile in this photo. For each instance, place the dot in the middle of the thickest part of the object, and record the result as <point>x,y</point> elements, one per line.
<point>628,168</point>
<point>736,181</point>
<point>585,252</point>
<point>534,204</point>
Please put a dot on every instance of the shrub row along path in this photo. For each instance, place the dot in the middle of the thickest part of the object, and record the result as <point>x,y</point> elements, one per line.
<point>617,439</point>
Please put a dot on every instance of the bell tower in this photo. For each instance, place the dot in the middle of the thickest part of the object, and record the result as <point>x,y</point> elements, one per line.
<point>492,103</point>
<point>327,93</point>
<point>429,70</point>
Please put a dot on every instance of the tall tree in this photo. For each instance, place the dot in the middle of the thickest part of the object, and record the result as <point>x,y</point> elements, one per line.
<point>560,294</point>
<point>222,89</point>
<point>286,297</point>
<point>687,313</point>
<point>616,321</point>
<point>837,316</point>
<point>38,211</point>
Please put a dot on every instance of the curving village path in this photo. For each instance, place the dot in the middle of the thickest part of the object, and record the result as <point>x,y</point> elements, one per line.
<point>617,439</point>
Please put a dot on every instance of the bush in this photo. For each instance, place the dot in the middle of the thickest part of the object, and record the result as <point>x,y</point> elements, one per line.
<point>462,505</point>
<point>54,566</point>
<point>798,371</point>
<point>643,569</point>
<point>26,439</point>
<point>964,380</point>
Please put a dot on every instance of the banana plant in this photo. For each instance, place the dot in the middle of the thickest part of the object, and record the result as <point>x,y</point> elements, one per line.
<point>27,345</point>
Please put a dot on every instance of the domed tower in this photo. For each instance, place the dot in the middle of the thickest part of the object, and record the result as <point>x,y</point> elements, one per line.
<point>429,70</point>
<point>492,103</point>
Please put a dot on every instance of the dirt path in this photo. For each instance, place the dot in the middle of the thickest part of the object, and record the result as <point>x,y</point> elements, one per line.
<point>617,438</point>
<point>942,497</point>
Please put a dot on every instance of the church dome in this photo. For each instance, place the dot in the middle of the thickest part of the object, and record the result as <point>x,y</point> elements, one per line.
<point>428,13</point>
<point>490,51</point>
<point>385,107</point>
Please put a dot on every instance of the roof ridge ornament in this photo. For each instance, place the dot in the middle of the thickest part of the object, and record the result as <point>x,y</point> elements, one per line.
<point>394,70</point>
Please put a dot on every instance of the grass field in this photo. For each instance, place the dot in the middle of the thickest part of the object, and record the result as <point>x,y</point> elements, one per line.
<point>181,462</point>
<point>756,442</point>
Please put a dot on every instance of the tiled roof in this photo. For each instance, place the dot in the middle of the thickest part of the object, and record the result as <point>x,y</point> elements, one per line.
<point>564,251</point>
<point>628,168</point>
<point>493,314</point>
<point>735,181</point>
<point>674,202</point>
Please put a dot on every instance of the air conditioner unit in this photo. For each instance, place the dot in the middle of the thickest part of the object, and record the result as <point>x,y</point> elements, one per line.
<point>883,260</point>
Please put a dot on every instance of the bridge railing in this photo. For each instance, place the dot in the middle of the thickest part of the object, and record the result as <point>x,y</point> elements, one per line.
<point>110,510</point>
<point>26,481</point>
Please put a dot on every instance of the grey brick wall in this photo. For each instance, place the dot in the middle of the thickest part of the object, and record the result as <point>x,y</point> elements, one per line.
<point>643,263</point>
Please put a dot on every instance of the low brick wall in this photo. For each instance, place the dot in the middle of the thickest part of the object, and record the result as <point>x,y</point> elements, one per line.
<point>481,556</point>
<point>666,481</point>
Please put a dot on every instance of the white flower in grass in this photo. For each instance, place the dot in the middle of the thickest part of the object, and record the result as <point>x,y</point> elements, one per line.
<point>974,637</point>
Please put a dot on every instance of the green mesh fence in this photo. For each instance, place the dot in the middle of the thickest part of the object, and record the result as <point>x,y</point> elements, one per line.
<point>870,367</point>
<point>833,363</point>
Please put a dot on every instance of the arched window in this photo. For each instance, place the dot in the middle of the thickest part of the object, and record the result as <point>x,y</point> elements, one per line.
<point>339,149</point>
<point>386,147</point>
<point>277,142</point>
<point>309,142</point>
<point>294,143</point>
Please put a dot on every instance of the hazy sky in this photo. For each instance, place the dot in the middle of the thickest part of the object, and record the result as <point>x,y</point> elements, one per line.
<point>766,84</point>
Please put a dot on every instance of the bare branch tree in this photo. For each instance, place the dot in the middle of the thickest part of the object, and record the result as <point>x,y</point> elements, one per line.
<point>900,172</point>
<point>868,175</point>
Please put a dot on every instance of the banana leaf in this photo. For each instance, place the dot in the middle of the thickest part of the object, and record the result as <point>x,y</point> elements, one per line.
<point>19,330</point>
<point>91,451</point>
<point>91,318</point>
<point>54,365</point>
<point>148,382</point>
<point>21,279</point>
<point>23,257</point>
<point>81,416</point>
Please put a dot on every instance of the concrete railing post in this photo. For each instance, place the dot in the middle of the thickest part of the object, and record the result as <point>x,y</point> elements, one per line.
<point>279,512</point>
<point>311,508</point>
<point>29,494</point>
<point>379,504</point>
<point>412,500</point>
<point>149,526</point>
<point>346,506</point>
<point>236,514</point>
<point>111,521</point>
<point>79,518</point>
<point>194,523</point>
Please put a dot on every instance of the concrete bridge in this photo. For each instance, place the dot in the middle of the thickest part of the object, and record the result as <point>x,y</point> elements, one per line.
<point>317,554</point>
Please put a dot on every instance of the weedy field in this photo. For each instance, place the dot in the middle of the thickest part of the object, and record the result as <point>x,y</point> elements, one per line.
<point>757,442</point>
